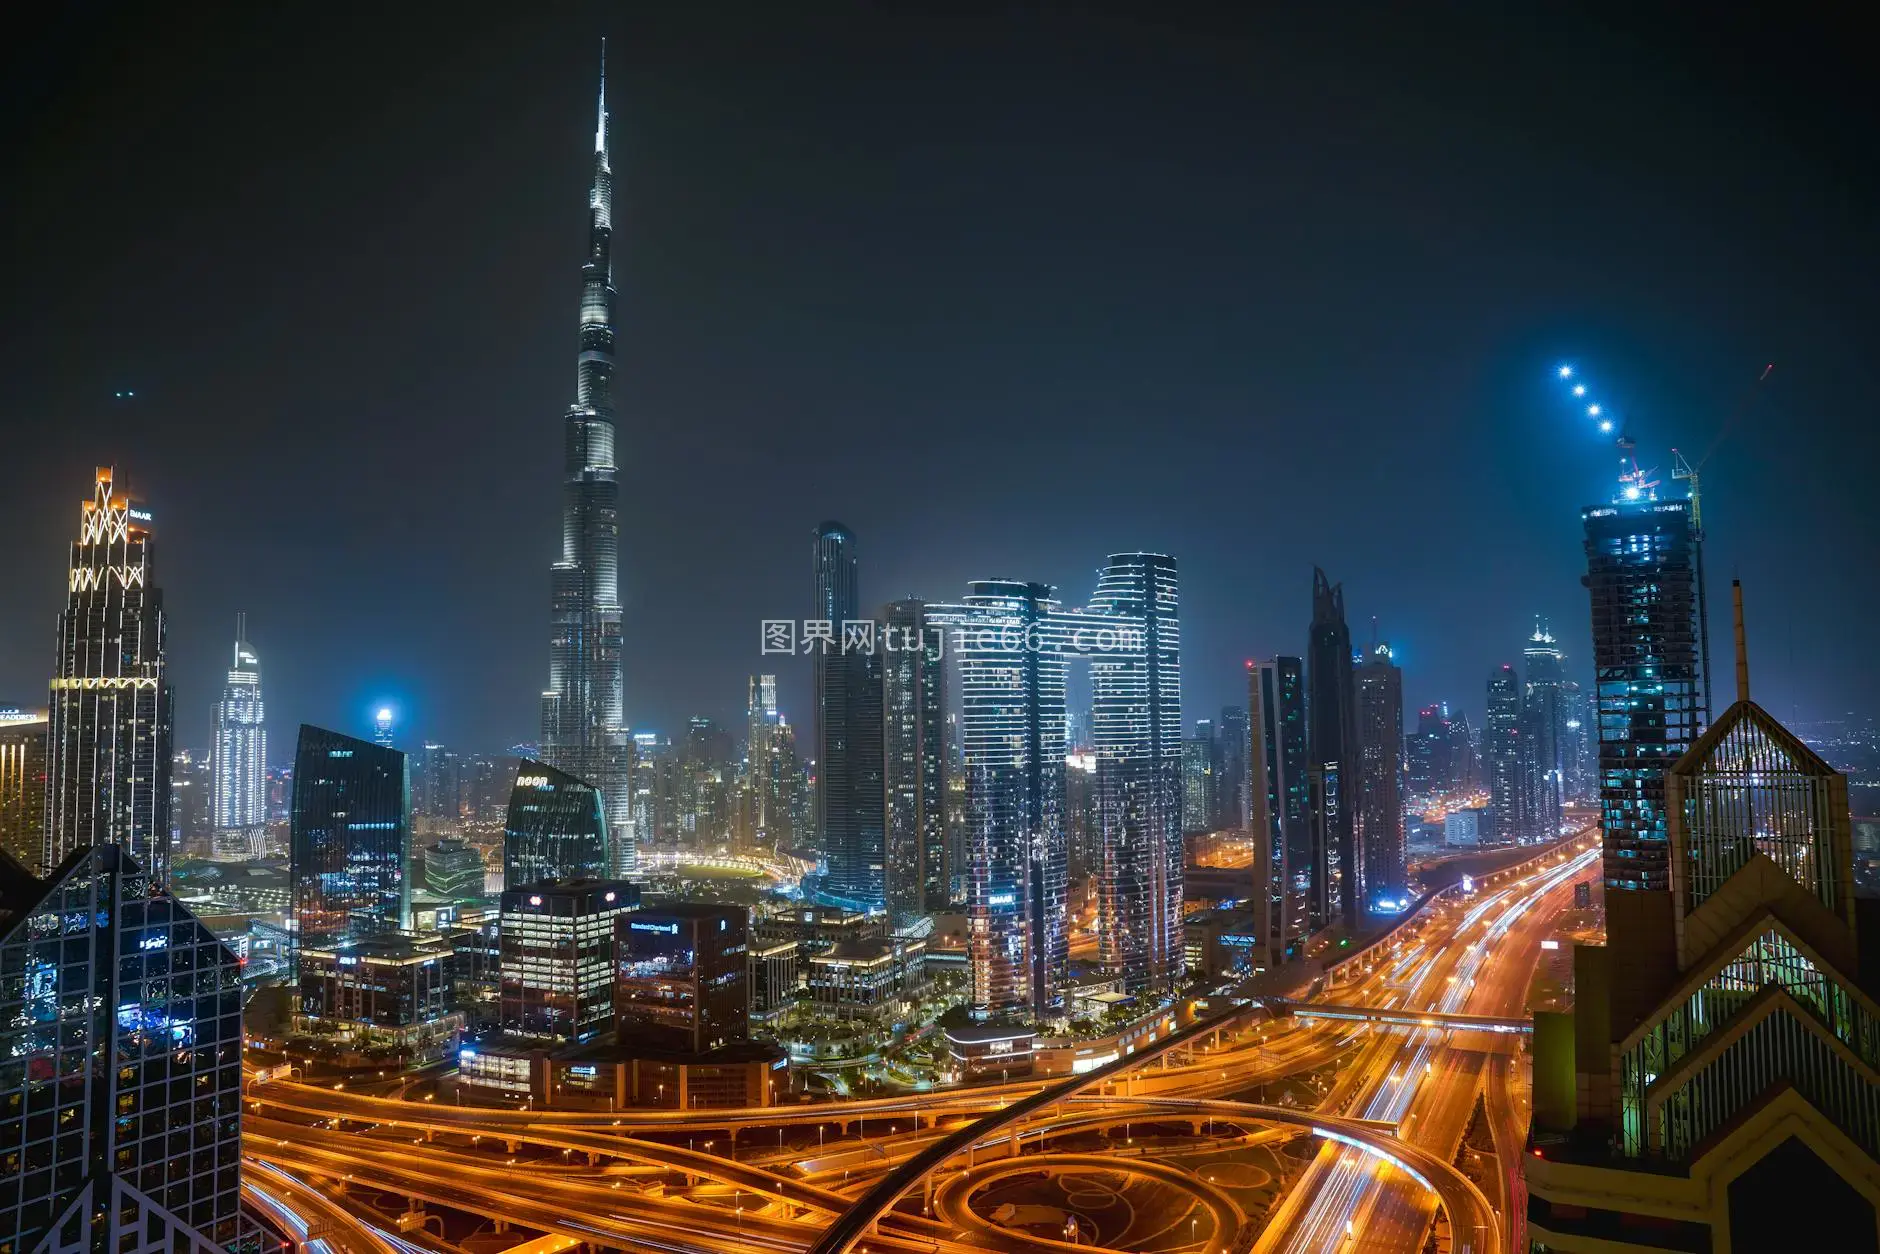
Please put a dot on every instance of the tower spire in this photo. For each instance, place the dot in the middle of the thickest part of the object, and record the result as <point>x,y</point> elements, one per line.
<point>600,126</point>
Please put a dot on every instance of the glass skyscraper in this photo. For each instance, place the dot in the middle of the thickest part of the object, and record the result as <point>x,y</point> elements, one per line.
<point>1505,757</point>
<point>120,1066</point>
<point>108,735</point>
<point>916,871</point>
<point>1544,717</point>
<point>1136,731</point>
<point>1648,665</point>
<point>1332,738</point>
<point>350,842</point>
<point>1294,876</point>
<point>239,810</point>
<point>584,727</point>
<point>1230,769</point>
<point>851,793</point>
<point>556,830</point>
<point>1379,782</point>
<point>1008,638</point>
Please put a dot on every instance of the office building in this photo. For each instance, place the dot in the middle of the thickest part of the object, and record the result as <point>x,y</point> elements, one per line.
<point>120,1111</point>
<point>556,829</point>
<point>768,770</point>
<point>1198,756</point>
<point>391,992</point>
<point>192,805</point>
<point>350,839</point>
<point>851,797</point>
<point>1429,772</point>
<point>23,784</point>
<point>1643,572</point>
<point>1332,735</point>
<point>1136,733</point>
<point>1577,738</point>
<point>439,788</point>
<point>453,870</point>
<point>1715,1086</point>
<point>681,977</point>
<point>584,722</point>
<point>916,872</point>
<point>1380,773</point>
<point>879,978</point>
<point>557,964</point>
<point>1506,758</point>
<point>108,729</point>
<point>1544,730</point>
<point>1012,740</point>
<point>240,757</point>
<point>1231,746</point>
<point>1290,895</point>
<point>774,975</point>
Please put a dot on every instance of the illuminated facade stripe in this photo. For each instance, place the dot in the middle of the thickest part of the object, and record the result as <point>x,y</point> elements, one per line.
<point>239,806</point>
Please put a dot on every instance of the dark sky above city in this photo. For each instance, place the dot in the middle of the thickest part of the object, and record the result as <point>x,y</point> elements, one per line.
<point>1003,287</point>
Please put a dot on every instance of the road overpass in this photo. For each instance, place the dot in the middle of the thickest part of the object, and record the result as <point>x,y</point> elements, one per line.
<point>1404,1018</point>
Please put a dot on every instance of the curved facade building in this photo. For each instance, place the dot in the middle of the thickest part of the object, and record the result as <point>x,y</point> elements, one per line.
<point>557,829</point>
<point>584,726</point>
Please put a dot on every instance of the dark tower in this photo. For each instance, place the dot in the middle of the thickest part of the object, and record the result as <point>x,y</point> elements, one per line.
<point>851,792</point>
<point>1332,740</point>
<point>584,726</point>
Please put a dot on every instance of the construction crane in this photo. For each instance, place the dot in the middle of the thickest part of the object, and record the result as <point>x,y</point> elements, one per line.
<point>1684,469</point>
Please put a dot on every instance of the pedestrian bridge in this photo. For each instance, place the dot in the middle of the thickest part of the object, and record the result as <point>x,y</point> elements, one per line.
<point>1406,1018</point>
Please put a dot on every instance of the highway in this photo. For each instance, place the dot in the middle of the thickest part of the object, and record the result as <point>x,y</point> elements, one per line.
<point>894,1173</point>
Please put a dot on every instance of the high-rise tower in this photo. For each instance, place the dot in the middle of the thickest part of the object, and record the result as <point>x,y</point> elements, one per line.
<point>108,736</point>
<point>917,874</point>
<point>1503,757</point>
<point>584,725</point>
<point>1379,779</point>
<point>1544,713</point>
<point>1296,875</point>
<point>851,800</point>
<point>1333,736</point>
<point>239,807</point>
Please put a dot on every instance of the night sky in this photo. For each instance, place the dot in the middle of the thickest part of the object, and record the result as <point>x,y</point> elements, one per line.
<point>1003,288</point>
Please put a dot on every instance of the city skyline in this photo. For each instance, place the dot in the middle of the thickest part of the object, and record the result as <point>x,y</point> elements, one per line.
<point>1459,405</point>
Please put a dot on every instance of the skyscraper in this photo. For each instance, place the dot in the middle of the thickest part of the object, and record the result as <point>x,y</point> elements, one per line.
<point>1136,731</point>
<point>438,788</point>
<point>766,777</point>
<point>1717,1076</point>
<point>1333,736</point>
<point>1642,574</point>
<point>1577,738</point>
<point>23,784</point>
<point>1296,878</point>
<point>1198,755</point>
<point>1380,773</point>
<point>1230,769</point>
<point>1012,730</point>
<point>850,793</point>
<point>917,872</point>
<point>556,830</point>
<point>1505,758</point>
<point>240,759</point>
<point>584,724</point>
<point>350,843</point>
<point>1427,753</point>
<point>1544,714</point>
<point>108,734</point>
<point>120,1109</point>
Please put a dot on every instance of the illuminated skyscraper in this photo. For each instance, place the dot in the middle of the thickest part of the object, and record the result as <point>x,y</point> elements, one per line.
<point>850,788</point>
<point>1296,878</point>
<point>120,1106</point>
<point>240,759</point>
<point>766,791</point>
<point>1136,731</point>
<point>913,663</point>
<point>1379,791</point>
<point>382,727</point>
<point>556,828</point>
<point>1333,736</point>
<point>351,838</point>
<point>1230,769</point>
<point>1012,731</point>
<point>1505,758</point>
<point>584,723</point>
<point>1198,756</point>
<point>108,735</point>
<point>1642,572</point>
<point>23,784</point>
<point>1544,717</point>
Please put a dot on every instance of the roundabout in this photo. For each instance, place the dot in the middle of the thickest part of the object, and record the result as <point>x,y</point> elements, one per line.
<point>1095,1188</point>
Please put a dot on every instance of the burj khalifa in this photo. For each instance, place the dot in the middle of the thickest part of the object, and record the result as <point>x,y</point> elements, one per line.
<point>584,726</point>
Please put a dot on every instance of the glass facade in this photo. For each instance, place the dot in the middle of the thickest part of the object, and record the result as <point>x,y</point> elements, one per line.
<point>1380,773</point>
<point>682,978</point>
<point>1544,731</point>
<point>1510,805</point>
<point>850,787</point>
<point>1642,572</point>
<point>23,785</point>
<point>350,841</point>
<point>239,813</point>
<point>1286,892</point>
<point>917,872</point>
<point>108,739</point>
<point>1332,738</point>
<point>120,1081</point>
<point>556,828</point>
<point>1136,731</point>
<point>558,958</point>
<point>584,727</point>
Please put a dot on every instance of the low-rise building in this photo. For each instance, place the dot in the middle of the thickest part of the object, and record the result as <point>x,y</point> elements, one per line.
<point>391,992</point>
<point>775,976</point>
<point>978,1052</point>
<point>878,978</point>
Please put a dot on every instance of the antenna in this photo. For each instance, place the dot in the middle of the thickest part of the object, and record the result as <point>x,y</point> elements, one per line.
<point>1742,645</point>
